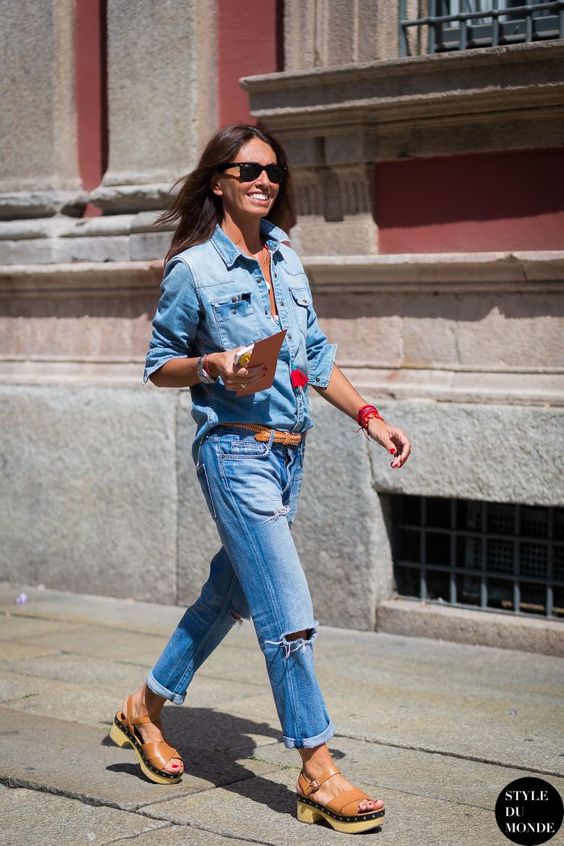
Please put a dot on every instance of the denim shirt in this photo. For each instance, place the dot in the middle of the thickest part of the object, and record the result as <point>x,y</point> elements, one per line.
<point>214,298</point>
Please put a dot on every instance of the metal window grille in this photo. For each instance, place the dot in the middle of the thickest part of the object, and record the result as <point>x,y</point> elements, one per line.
<point>487,555</point>
<point>464,24</point>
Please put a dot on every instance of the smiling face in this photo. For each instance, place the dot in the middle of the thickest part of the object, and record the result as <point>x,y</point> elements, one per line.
<point>242,200</point>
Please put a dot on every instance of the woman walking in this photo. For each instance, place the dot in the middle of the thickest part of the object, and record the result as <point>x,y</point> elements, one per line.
<point>231,279</point>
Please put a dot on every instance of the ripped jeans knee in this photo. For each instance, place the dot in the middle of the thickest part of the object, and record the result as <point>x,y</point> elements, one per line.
<point>280,511</point>
<point>294,642</point>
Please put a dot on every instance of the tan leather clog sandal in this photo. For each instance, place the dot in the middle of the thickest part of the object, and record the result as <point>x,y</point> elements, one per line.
<point>341,812</point>
<point>153,755</point>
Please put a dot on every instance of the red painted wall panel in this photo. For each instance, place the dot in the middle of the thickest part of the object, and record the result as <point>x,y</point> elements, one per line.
<point>90,93</point>
<point>491,201</point>
<point>249,41</point>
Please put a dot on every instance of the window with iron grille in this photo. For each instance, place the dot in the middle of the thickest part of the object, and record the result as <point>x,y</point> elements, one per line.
<point>487,555</point>
<point>463,24</point>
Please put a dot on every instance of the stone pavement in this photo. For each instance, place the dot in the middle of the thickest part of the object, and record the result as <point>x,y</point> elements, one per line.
<point>436,729</point>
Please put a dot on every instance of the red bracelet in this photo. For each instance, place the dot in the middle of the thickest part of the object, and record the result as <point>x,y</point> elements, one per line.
<point>206,369</point>
<point>365,414</point>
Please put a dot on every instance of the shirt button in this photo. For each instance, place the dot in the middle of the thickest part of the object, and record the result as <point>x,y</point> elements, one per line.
<point>289,334</point>
<point>282,302</point>
<point>266,311</point>
<point>233,299</point>
<point>317,378</point>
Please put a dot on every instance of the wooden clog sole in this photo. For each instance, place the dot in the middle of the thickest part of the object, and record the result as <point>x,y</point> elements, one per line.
<point>311,812</point>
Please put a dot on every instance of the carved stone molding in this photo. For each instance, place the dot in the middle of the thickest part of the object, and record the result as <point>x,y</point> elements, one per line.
<point>476,100</point>
<point>333,193</point>
<point>525,271</point>
<point>81,279</point>
<point>104,239</point>
<point>19,205</point>
<point>310,191</point>
<point>334,211</point>
<point>120,199</point>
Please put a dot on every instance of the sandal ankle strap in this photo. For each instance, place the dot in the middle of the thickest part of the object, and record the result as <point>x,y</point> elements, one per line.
<point>140,721</point>
<point>309,782</point>
<point>146,718</point>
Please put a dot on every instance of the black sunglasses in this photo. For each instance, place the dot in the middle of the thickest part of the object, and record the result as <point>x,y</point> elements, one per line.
<point>250,170</point>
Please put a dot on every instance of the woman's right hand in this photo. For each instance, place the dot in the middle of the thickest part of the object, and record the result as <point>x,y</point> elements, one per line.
<point>234,377</point>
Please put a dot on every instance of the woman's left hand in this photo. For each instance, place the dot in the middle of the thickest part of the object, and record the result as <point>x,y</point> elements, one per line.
<point>391,438</point>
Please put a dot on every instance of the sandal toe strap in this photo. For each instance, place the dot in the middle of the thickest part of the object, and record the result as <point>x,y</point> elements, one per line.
<point>159,753</point>
<point>346,803</point>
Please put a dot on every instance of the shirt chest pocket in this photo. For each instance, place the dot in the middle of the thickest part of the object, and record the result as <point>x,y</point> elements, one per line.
<point>301,300</point>
<point>235,319</point>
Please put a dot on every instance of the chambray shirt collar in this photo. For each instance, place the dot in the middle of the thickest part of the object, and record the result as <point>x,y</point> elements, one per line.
<point>230,253</point>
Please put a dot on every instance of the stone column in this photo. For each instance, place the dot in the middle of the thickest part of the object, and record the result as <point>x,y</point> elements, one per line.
<point>333,173</point>
<point>38,166</point>
<point>328,33</point>
<point>161,98</point>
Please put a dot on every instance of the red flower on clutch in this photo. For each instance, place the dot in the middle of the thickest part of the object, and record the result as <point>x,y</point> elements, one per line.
<point>298,379</point>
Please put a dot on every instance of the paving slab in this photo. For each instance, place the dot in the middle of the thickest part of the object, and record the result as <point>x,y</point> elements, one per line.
<point>267,804</point>
<point>180,835</point>
<point>97,642</point>
<point>481,702</point>
<point>435,728</point>
<point>120,677</point>
<point>461,665</point>
<point>31,818</point>
<point>92,705</point>
<point>72,608</point>
<point>485,703</point>
<point>141,649</point>
<point>115,676</point>
<point>526,742</point>
<point>17,626</point>
<point>14,687</point>
<point>20,652</point>
<point>426,774</point>
<point>44,755</point>
<point>66,702</point>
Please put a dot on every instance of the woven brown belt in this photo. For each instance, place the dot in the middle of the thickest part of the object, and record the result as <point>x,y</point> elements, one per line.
<point>262,433</point>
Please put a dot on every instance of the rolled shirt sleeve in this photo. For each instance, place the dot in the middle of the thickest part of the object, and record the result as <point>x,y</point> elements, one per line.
<point>320,353</point>
<point>176,320</point>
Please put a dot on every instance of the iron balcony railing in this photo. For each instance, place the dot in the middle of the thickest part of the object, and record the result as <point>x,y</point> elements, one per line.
<point>464,24</point>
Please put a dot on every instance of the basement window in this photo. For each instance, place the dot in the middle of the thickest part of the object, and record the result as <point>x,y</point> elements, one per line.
<point>482,555</point>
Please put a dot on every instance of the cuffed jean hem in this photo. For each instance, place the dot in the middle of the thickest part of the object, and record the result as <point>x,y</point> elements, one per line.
<point>175,698</point>
<point>309,742</point>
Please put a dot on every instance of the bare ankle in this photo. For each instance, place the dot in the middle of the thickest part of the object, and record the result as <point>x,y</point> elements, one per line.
<point>317,759</point>
<point>153,702</point>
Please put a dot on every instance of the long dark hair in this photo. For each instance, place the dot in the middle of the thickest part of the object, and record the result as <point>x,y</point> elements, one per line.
<point>198,209</point>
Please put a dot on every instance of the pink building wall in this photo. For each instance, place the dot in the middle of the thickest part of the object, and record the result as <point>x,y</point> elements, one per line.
<point>489,201</point>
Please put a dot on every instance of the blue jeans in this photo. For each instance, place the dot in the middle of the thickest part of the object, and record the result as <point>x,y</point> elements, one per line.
<point>252,490</point>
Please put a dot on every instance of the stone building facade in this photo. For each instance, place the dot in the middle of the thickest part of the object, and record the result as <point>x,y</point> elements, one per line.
<point>431,223</point>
